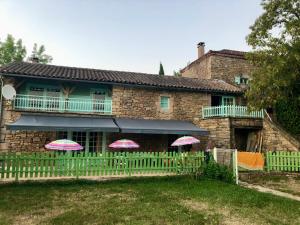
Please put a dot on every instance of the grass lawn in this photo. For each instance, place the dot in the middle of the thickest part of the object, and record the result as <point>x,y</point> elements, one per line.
<point>161,200</point>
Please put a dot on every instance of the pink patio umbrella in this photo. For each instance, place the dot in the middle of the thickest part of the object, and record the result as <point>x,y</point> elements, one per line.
<point>185,140</point>
<point>64,145</point>
<point>124,143</point>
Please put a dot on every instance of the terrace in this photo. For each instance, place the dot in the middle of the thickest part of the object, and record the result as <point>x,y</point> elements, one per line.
<point>62,104</point>
<point>230,111</point>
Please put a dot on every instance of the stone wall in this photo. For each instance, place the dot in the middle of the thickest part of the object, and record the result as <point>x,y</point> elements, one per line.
<point>226,68</point>
<point>219,128</point>
<point>21,140</point>
<point>145,103</point>
<point>276,139</point>
<point>199,69</point>
<point>218,67</point>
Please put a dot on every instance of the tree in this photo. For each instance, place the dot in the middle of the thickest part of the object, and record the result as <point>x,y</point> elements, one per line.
<point>161,70</point>
<point>11,50</point>
<point>177,73</point>
<point>39,53</point>
<point>275,39</point>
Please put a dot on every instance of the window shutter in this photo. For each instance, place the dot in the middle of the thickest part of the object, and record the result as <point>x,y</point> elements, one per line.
<point>237,79</point>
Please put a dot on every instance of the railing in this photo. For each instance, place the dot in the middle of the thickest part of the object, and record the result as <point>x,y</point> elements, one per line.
<point>60,104</point>
<point>230,111</point>
<point>283,161</point>
<point>72,164</point>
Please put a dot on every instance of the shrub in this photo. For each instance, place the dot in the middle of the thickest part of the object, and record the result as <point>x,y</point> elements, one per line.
<point>288,115</point>
<point>213,170</point>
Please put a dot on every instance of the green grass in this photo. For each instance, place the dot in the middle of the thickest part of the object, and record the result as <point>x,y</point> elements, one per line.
<point>164,200</point>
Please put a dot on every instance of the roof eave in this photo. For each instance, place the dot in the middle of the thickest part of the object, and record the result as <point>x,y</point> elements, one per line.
<point>128,84</point>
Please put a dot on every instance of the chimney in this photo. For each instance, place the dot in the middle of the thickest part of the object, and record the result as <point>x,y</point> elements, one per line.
<point>201,50</point>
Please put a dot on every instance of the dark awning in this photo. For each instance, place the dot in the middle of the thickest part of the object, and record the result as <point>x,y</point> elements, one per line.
<point>158,127</point>
<point>63,123</point>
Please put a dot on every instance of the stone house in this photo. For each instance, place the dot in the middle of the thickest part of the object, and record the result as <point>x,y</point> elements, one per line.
<point>230,129</point>
<point>95,107</point>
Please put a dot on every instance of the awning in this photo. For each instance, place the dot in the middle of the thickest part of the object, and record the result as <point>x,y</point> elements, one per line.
<point>158,127</point>
<point>63,123</point>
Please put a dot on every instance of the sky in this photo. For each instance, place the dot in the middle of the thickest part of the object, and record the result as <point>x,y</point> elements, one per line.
<point>128,35</point>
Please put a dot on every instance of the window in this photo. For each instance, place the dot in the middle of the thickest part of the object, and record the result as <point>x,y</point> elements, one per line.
<point>237,79</point>
<point>164,102</point>
<point>79,137</point>
<point>244,80</point>
<point>228,100</point>
<point>98,100</point>
<point>92,140</point>
<point>43,96</point>
<point>241,79</point>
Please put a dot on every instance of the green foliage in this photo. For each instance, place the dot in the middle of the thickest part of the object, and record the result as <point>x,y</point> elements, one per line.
<point>14,51</point>
<point>288,115</point>
<point>213,170</point>
<point>275,38</point>
<point>39,53</point>
<point>161,70</point>
<point>177,73</point>
<point>11,50</point>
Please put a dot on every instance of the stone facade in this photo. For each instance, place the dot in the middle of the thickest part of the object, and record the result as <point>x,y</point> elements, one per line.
<point>219,129</point>
<point>218,67</point>
<point>222,133</point>
<point>145,104</point>
<point>226,68</point>
<point>275,139</point>
<point>21,140</point>
<point>199,69</point>
<point>127,102</point>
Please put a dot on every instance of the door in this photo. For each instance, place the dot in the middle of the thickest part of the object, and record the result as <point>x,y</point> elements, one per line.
<point>99,97</point>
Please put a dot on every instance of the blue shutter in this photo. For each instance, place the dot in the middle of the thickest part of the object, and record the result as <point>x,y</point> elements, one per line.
<point>237,79</point>
<point>164,102</point>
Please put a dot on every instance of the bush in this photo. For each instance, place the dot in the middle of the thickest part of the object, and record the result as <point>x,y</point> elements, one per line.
<point>287,113</point>
<point>213,170</point>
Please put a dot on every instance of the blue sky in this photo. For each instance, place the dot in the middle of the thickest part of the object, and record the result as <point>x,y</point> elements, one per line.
<point>128,35</point>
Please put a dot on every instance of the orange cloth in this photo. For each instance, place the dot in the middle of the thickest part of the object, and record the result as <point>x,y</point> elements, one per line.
<point>251,160</point>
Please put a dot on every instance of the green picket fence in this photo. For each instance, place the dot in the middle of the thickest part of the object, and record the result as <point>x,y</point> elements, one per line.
<point>73,164</point>
<point>283,161</point>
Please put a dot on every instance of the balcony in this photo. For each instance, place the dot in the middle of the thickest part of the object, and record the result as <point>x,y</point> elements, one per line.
<point>230,111</point>
<point>61,104</point>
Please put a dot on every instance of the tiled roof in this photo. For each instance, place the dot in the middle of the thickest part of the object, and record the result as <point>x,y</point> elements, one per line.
<point>36,70</point>
<point>224,52</point>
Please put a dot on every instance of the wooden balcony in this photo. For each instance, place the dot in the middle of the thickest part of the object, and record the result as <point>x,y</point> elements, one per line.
<point>61,104</point>
<point>230,111</point>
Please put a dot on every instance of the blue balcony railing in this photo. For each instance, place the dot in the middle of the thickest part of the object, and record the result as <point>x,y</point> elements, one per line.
<point>60,104</point>
<point>230,111</point>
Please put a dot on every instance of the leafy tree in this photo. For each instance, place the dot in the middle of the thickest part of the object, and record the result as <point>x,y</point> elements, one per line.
<point>11,50</point>
<point>161,70</point>
<point>177,73</point>
<point>39,53</point>
<point>275,38</point>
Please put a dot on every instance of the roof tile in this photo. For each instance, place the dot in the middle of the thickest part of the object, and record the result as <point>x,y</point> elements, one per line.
<point>119,77</point>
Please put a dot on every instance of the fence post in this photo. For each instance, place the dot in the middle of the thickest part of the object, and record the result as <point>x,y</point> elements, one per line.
<point>215,154</point>
<point>76,165</point>
<point>235,166</point>
<point>17,162</point>
<point>268,161</point>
